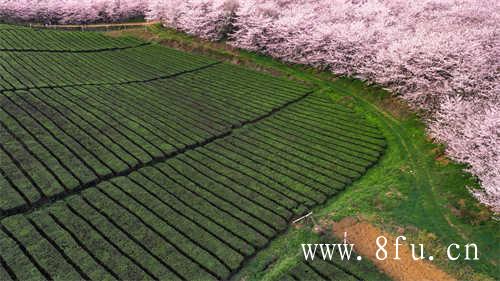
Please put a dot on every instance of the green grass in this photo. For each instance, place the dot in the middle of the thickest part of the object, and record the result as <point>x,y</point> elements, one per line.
<point>413,186</point>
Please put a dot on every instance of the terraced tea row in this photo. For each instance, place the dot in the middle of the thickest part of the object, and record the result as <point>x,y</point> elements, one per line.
<point>320,270</point>
<point>26,39</point>
<point>200,214</point>
<point>4,26</point>
<point>26,70</point>
<point>63,139</point>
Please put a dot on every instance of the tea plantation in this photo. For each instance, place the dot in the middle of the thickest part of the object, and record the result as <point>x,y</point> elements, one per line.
<point>121,159</point>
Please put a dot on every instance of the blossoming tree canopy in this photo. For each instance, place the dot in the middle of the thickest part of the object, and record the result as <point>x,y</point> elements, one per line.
<point>71,11</point>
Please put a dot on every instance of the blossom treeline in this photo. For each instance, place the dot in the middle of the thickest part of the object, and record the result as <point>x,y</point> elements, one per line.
<point>442,56</point>
<point>71,11</point>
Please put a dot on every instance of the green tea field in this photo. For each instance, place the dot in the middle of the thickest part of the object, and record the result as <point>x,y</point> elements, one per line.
<point>122,159</point>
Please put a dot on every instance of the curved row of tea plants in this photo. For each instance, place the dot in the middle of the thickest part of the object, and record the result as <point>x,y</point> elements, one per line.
<point>322,270</point>
<point>26,39</point>
<point>27,70</point>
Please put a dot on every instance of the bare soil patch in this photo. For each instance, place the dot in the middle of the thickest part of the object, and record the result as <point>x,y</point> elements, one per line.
<point>364,235</point>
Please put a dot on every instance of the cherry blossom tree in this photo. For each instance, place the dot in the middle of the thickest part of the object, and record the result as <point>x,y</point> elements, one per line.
<point>208,19</point>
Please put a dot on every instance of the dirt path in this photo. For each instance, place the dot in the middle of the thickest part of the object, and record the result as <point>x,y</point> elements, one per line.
<point>364,235</point>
